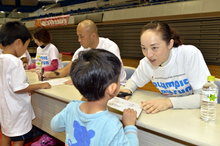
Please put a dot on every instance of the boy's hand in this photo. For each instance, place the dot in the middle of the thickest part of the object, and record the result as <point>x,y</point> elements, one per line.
<point>126,91</point>
<point>129,117</point>
<point>45,85</point>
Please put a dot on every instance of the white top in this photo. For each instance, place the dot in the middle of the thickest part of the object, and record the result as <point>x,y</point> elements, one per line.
<point>47,54</point>
<point>184,73</point>
<point>106,44</point>
<point>27,55</point>
<point>16,110</point>
<point>1,50</point>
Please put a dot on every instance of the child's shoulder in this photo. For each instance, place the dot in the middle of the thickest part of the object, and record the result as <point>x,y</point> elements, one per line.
<point>10,59</point>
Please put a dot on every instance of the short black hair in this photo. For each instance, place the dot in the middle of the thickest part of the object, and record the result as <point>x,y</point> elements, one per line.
<point>11,31</point>
<point>93,71</point>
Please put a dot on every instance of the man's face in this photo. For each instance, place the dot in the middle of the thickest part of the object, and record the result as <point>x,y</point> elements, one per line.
<point>84,37</point>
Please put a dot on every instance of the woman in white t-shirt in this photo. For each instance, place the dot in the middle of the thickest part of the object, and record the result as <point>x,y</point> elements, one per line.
<point>49,54</point>
<point>178,71</point>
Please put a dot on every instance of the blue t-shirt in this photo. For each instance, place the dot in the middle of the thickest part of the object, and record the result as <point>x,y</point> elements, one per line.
<point>99,129</point>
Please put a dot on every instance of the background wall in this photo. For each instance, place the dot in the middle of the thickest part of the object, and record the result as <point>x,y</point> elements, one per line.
<point>198,22</point>
<point>204,33</point>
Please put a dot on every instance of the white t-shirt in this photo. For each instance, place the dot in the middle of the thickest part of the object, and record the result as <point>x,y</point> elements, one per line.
<point>106,44</point>
<point>47,54</point>
<point>27,55</point>
<point>185,72</point>
<point>16,112</point>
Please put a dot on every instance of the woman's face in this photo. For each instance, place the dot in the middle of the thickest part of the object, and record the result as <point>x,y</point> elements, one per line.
<point>39,43</point>
<point>154,48</point>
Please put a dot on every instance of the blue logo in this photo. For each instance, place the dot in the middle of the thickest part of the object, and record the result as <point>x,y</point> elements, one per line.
<point>176,85</point>
<point>81,135</point>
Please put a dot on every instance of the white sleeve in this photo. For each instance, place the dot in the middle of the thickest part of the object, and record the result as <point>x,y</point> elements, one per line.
<point>196,69</point>
<point>18,79</point>
<point>75,55</point>
<point>197,72</point>
<point>113,48</point>
<point>191,101</point>
<point>131,85</point>
<point>142,74</point>
<point>24,55</point>
<point>28,57</point>
<point>54,53</point>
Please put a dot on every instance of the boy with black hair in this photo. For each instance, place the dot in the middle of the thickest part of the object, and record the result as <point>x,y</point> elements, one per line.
<point>15,100</point>
<point>96,74</point>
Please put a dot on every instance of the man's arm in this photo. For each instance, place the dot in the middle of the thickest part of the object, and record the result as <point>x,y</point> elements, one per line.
<point>58,73</point>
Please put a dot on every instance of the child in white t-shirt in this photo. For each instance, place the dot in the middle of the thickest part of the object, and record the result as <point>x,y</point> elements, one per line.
<point>15,99</point>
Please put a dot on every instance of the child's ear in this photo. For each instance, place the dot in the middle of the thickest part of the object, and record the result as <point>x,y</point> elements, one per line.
<point>112,89</point>
<point>18,42</point>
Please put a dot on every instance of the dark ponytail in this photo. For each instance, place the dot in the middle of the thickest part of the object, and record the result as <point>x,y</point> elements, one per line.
<point>177,39</point>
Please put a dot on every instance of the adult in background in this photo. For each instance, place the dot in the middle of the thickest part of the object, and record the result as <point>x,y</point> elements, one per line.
<point>88,38</point>
<point>178,71</point>
<point>48,52</point>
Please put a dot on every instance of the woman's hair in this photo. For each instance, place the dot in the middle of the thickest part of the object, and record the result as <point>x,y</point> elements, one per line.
<point>166,32</point>
<point>94,71</point>
<point>42,34</point>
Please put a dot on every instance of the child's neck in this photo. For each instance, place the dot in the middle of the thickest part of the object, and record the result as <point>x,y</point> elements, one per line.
<point>92,107</point>
<point>9,51</point>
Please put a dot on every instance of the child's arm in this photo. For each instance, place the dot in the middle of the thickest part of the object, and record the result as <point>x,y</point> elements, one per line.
<point>35,87</point>
<point>129,117</point>
<point>128,135</point>
<point>57,124</point>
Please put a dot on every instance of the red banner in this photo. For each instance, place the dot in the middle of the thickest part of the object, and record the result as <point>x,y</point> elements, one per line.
<point>52,21</point>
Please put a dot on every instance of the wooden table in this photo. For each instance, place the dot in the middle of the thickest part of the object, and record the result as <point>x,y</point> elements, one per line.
<point>170,127</point>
